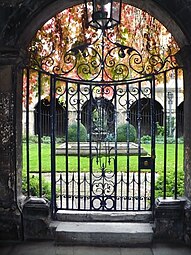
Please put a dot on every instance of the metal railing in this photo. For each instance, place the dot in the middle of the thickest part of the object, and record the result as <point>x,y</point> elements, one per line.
<point>104,185</point>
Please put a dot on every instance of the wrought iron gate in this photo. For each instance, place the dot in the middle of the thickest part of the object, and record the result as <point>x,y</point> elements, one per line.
<point>118,172</point>
<point>99,94</point>
<point>101,161</point>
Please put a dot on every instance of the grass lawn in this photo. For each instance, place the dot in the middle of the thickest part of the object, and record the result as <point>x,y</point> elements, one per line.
<point>84,161</point>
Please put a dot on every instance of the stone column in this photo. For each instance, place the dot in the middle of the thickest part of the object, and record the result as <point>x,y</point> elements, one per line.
<point>184,58</point>
<point>10,119</point>
<point>20,217</point>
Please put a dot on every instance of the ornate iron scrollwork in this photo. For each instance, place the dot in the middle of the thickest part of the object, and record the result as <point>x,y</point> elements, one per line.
<point>100,59</point>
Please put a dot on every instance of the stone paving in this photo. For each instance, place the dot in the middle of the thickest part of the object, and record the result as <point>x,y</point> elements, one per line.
<point>49,248</point>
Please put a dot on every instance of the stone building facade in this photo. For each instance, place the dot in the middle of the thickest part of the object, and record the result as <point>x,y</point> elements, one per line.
<point>19,20</point>
<point>159,99</point>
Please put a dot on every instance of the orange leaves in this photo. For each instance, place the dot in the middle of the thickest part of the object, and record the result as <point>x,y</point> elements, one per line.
<point>29,87</point>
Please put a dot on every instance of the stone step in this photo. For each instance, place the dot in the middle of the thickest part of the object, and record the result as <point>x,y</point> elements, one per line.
<point>116,234</point>
<point>96,216</point>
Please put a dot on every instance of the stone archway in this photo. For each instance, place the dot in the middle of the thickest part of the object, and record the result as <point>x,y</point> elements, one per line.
<point>40,20</point>
<point>149,6</point>
<point>50,10</point>
<point>136,91</point>
<point>47,12</point>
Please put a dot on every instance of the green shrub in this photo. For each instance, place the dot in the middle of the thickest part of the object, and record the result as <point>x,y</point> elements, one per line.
<point>46,139</point>
<point>159,139</point>
<point>32,139</point>
<point>126,132</point>
<point>159,187</point>
<point>73,131</point>
<point>109,138</point>
<point>170,140</point>
<point>181,140</point>
<point>34,187</point>
<point>146,139</point>
<point>60,139</point>
<point>160,129</point>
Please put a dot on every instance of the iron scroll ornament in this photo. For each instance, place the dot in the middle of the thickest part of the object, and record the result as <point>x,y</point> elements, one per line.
<point>100,59</point>
<point>90,64</point>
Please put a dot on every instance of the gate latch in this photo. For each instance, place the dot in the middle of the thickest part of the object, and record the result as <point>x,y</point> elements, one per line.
<point>145,162</point>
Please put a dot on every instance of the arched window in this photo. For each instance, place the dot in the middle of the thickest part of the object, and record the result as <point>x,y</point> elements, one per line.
<point>98,116</point>
<point>142,109</point>
<point>42,121</point>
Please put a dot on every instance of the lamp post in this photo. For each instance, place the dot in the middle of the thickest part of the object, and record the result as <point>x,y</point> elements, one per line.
<point>103,14</point>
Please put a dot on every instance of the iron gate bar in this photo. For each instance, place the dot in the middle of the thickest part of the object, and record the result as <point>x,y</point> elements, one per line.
<point>139,139</point>
<point>66,157</point>
<point>145,191</point>
<point>115,135</point>
<point>133,191</point>
<point>176,136</point>
<point>53,162</point>
<point>127,160</point>
<point>90,148</point>
<point>78,139</point>
<point>27,132</point>
<point>153,134</point>
<point>39,116</point>
<point>165,134</point>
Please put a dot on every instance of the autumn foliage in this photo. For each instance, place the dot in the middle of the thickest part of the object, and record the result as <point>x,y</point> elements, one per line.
<point>68,30</point>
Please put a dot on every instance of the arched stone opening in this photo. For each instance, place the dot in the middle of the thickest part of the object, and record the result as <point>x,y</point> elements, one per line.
<point>35,25</point>
<point>144,107</point>
<point>103,116</point>
<point>42,122</point>
<point>145,128</point>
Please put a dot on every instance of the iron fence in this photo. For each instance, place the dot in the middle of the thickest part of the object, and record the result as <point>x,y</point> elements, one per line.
<point>104,184</point>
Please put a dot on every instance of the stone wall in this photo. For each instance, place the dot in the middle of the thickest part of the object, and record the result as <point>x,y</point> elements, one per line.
<point>16,16</point>
<point>36,219</point>
<point>10,227</point>
<point>187,223</point>
<point>169,220</point>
